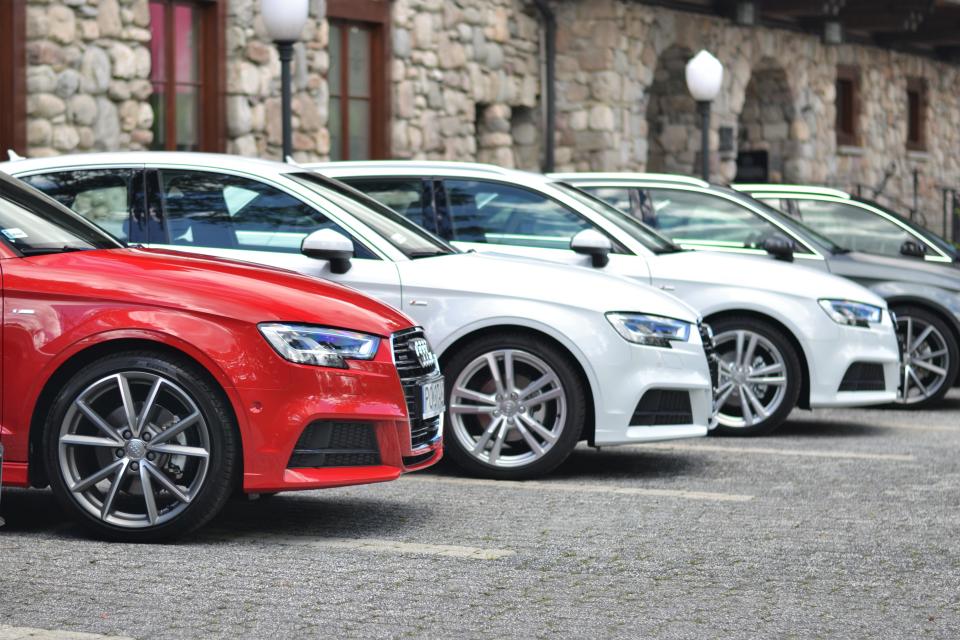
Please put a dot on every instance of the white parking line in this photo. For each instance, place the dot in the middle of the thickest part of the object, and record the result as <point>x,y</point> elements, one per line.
<point>798,453</point>
<point>26,633</point>
<point>393,546</point>
<point>587,488</point>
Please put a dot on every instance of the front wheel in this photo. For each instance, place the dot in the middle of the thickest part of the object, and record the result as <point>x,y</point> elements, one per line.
<point>759,376</point>
<point>140,446</point>
<point>929,355</point>
<point>516,407</point>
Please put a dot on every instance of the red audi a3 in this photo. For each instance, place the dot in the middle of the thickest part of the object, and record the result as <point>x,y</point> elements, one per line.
<point>145,387</point>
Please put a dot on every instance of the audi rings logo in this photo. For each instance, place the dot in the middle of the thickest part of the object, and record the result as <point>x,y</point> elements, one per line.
<point>422,350</point>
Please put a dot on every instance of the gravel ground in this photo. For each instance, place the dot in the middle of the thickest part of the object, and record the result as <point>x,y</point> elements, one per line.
<point>843,524</point>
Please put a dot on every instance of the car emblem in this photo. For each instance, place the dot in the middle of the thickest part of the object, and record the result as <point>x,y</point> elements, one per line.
<point>422,350</point>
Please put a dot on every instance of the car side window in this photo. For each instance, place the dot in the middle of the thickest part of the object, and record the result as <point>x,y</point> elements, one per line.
<point>700,218</point>
<point>617,197</point>
<point>101,196</point>
<point>853,228</point>
<point>406,196</point>
<point>222,211</point>
<point>495,213</point>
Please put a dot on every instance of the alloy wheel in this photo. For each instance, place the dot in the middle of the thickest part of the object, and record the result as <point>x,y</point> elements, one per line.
<point>134,449</point>
<point>752,378</point>
<point>508,408</point>
<point>924,360</point>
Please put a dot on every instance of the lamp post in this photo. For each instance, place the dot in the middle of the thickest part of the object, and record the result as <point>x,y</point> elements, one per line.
<point>704,79</point>
<point>284,20</point>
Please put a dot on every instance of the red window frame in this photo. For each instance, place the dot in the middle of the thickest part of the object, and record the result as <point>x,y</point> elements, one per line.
<point>211,71</point>
<point>375,15</point>
<point>13,103</point>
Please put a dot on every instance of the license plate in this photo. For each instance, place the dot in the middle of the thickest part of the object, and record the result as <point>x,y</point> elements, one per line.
<point>432,399</point>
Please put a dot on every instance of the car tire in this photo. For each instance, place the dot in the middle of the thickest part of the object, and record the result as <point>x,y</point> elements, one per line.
<point>526,430</point>
<point>773,358</point>
<point>916,367</point>
<point>185,451</point>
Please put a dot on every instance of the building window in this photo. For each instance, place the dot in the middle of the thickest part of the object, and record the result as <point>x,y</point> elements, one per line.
<point>848,106</point>
<point>357,79</point>
<point>13,92</point>
<point>916,114</point>
<point>186,50</point>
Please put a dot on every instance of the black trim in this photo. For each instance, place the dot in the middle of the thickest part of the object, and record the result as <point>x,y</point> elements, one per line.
<point>660,407</point>
<point>864,376</point>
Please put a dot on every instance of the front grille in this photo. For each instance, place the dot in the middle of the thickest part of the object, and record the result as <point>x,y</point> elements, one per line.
<point>864,376</point>
<point>336,444</point>
<point>709,347</point>
<point>660,407</point>
<point>413,461</point>
<point>412,373</point>
<point>405,356</point>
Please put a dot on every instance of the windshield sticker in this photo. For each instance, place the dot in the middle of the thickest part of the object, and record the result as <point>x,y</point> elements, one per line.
<point>14,233</point>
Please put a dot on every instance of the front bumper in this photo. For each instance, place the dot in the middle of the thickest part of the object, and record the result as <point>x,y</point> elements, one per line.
<point>368,394</point>
<point>633,372</point>
<point>832,353</point>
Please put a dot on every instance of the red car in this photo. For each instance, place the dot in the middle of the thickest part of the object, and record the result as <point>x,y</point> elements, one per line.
<point>145,387</point>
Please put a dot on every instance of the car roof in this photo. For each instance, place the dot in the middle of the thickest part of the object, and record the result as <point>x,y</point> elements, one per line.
<point>651,177</point>
<point>800,189</point>
<point>213,160</point>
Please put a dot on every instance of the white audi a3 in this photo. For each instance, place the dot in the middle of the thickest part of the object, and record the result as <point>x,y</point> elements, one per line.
<point>785,334</point>
<point>536,356</point>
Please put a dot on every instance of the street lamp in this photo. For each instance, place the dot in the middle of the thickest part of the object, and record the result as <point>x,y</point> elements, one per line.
<point>704,79</point>
<point>284,20</point>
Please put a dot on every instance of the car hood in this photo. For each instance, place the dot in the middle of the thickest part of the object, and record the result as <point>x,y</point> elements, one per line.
<point>789,278</point>
<point>866,267</point>
<point>222,288</point>
<point>511,276</point>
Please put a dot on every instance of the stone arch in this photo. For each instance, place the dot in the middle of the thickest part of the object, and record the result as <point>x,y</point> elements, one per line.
<point>766,147</point>
<point>674,139</point>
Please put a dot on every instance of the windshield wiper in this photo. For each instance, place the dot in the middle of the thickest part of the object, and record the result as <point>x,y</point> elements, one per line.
<point>427,254</point>
<point>45,251</point>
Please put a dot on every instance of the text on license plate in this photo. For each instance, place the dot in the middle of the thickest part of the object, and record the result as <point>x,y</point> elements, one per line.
<point>432,399</point>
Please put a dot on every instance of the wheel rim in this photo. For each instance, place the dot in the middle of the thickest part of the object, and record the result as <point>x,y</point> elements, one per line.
<point>752,378</point>
<point>925,360</point>
<point>508,408</point>
<point>134,449</point>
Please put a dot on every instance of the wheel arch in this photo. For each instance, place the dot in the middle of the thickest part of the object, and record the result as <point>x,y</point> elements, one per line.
<point>480,332</point>
<point>804,400</point>
<point>91,353</point>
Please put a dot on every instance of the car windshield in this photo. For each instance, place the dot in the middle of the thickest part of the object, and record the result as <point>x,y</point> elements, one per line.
<point>637,230</point>
<point>407,237</point>
<point>801,229</point>
<point>33,224</point>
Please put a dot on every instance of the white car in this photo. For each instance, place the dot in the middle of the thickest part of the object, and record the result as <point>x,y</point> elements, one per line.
<point>785,334</point>
<point>537,357</point>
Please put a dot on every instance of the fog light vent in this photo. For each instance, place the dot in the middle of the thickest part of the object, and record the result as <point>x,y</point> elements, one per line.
<point>336,444</point>
<point>659,407</point>
<point>864,376</point>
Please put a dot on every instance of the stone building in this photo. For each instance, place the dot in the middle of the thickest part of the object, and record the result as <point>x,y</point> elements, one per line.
<point>836,92</point>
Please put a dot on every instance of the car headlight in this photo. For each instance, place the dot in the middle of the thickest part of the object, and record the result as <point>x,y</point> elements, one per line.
<point>654,331</point>
<point>854,314</point>
<point>319,346</point>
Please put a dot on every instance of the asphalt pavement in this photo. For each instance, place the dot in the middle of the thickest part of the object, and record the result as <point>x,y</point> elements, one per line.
<point>843,524</point>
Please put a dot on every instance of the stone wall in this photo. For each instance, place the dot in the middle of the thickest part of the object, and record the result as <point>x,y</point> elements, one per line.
<point>253,86</point>
<point>88,76</point>
<point>461,69</point>
<point>623,104</point>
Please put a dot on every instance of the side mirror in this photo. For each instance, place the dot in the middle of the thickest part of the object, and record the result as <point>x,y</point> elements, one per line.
<point>327,244</point>
<point>590,242</point>
<point>779,246</point>
<point>913,249</point>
